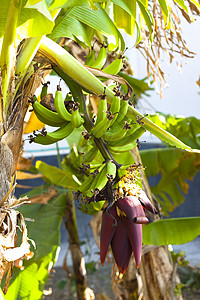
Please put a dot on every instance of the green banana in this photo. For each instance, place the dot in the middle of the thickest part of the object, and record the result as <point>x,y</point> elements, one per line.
<point>114,109</point>
<point>114,67</point>
<point>115,133</point>
<point>122,149</point>
<point>90,155</point>
<point>99,129</point>
<point>47,116</point>
<point>68,97</point>
<point>60,106</point>
<point>76,118</point>
<point>123,110</point>
<point>101,114</point>
<point>86,184</point>
<point>90,58</point>
<point>128,139</point>
<point>55,136</point>
<point>101,58</point>
<point>44,89</point>
<point>111,169</point>
<point>102,178</point>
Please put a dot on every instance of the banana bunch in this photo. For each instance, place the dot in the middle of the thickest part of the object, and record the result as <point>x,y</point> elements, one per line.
<point>66,120</point>
<point>97,180</point>
<point>114,128</point>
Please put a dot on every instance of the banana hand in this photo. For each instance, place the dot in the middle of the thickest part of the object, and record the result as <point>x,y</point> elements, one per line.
<point>126,140</point>
<point>115,133</point>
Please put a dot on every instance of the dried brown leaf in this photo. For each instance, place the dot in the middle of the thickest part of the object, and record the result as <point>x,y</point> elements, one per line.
<point>25,175</point>
<point>44,198</point>
<point>24,163</point>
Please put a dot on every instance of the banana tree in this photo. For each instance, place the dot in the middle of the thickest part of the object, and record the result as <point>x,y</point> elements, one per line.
<point>33,41</point>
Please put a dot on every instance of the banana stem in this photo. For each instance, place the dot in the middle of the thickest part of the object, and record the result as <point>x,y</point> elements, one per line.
<point>8,52</point>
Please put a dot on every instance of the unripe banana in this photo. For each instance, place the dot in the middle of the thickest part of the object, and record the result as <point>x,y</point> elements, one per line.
<point>55,136</point>
<point>60,106</point>
<point>123,110</point>
<point>99,129</point>
<point>44,89</point>
<point>128,139</point>
<point>101,114</point>
<point>47,116</point>
<point>90,155</point>
<point>122,149</point>
<point>86,184</point>
<point>93,186</point>
<point>102,178</point>
<point>90,58</point>
<point>114,109</point>
<point>101,59</point>
<point>76,119</point>
<point>111,169</point>
<point>114,67</point>
<point>115,133</point>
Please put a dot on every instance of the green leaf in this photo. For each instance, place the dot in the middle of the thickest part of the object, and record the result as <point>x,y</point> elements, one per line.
<point>70,27</point>
<point>4,5</point>
<point>125,17</point>
<point>56,176</point>
<point>164,7</point>
<point>68,3</point>
<point>35,20</point>
<point>100,21</point>
<point>185,129</point>
<point>147,17</point>
<point>175,167</point>
<point>171,231</point>
<point>45,231</point>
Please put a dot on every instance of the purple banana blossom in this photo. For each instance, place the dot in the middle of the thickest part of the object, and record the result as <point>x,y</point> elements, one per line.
<point>123,231</point>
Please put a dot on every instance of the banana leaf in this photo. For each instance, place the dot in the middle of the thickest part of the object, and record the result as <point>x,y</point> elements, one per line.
<point>45,231</point>
<point>171,231</point>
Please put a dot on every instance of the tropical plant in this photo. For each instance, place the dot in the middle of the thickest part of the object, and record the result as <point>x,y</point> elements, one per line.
<point>36,38</point>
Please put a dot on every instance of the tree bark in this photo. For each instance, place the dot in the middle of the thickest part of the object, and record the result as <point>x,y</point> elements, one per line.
<point>83,292</point>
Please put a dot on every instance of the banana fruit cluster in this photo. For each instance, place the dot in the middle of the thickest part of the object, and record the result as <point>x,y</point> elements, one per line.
<point>113,127</point>
<point>97,180</point>
<point>66,120</point>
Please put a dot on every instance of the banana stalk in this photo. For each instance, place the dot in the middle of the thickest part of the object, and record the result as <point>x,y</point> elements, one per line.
<point>82,76</point>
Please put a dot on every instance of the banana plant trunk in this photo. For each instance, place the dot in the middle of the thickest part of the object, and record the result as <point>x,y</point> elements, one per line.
<point>83,292</point>
<point>158,273</point>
